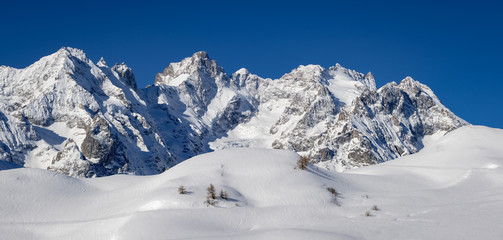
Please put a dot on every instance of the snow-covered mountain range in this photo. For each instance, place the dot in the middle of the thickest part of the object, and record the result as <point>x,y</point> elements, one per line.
<point>68,114</point>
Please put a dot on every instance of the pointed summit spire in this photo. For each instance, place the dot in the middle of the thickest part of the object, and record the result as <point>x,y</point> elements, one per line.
<point>126,73</point>
<point>102,63</point>
<point>201,54</point>
<point>370,81</point>
<point>369,75</point>
<point>71,52</point>
<point>199,66</point>
<point>242,71</point>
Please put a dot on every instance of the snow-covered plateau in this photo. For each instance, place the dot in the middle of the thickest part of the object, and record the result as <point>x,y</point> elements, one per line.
<point>451,189</point>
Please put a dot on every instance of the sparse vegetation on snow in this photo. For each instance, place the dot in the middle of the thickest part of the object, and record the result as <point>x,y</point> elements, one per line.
<point>211,195</point>
<point>224,195</point>
<point>302,162</point>
<point>421,196</point>
<point>182,190</point>
<point>334,193</point>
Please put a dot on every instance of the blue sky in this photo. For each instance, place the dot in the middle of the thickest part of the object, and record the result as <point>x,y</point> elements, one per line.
<point>456,49</point>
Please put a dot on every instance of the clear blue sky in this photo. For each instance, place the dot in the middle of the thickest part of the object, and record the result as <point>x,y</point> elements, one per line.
<point>455,48</point>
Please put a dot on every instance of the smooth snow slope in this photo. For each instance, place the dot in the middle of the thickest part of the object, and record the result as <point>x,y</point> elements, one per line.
<point>452,189</point>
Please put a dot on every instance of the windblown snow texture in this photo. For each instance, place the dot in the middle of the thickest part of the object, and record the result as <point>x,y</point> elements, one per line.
<point>451,189</point>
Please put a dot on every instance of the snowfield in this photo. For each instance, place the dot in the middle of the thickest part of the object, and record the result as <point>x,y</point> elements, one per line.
<point>451,189</point>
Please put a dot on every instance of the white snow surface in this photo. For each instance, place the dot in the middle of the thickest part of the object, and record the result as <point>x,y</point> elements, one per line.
<point>451,189</point>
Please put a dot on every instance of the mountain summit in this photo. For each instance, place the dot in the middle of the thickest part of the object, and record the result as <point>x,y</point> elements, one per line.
<point>67,114</point>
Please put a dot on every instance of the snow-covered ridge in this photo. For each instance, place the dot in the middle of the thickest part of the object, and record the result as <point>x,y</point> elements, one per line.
<point>67,114</point>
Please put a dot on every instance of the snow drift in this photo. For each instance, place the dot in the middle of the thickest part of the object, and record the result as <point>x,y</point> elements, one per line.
<point>452,189</point>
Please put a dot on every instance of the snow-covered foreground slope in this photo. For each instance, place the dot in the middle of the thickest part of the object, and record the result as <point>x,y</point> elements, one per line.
<point>452,189</point>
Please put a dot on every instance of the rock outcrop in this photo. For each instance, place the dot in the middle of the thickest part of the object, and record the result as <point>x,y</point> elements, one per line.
<point>67,114</point>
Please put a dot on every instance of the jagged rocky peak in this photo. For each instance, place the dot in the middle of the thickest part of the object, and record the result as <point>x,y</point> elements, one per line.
<point>199,67</point>
<point>71,52</point>
<point>342,73</point>
<point>410,85</point>
<point>50,106</point>
<point>201,55</point>
<point>198,78</point>
<point>305,73</point>
<point>251,82</point>
<point>409,82</point>
<point>67,114</point>
<point>417,92</point>
<point>126,73</point>
<point>242,71</point>
<point>240,76</point>
<point>102,63</point>
<point>369,75</point>
<point>339,68</point>
<point>64,58</point>
<point>370,81</point>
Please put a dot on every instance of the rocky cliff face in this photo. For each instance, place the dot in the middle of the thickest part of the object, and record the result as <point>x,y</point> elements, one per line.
<point>198,102</point>
<point>67,114</point>
<point>338,118</point>
<point>384,124</point>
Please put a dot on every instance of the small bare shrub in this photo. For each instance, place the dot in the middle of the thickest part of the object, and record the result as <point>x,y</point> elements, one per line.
<point>211,202</point>
<point>334,193</point>
<point>211,195</point>
<point>182,190</point>
<point>224,195</point>
<point>302,162</point>
<point>368,214</point>
<point>375,208</point>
